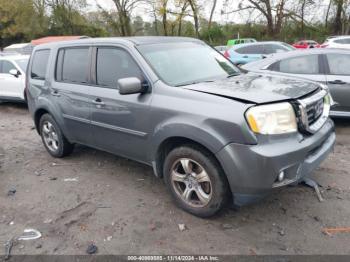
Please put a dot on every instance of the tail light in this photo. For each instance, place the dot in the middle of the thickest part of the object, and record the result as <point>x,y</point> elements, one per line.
<point>227,54</point>
<point>324,45</point>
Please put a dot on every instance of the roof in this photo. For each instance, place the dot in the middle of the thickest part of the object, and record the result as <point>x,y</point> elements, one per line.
<point>136,40</point>
<point>14,56</point>
<point>17,46</point>
<point>256,43</point>
<point>50,39</point>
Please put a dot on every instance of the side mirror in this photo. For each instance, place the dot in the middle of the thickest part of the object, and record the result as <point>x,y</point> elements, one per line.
<point>130,85</point>
<point>15,72</point>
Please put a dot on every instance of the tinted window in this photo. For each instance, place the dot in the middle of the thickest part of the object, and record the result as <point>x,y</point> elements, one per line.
<point>114,64</point>
<point>39,66</point>
<point>252,49</point>
<point>273,48</point>
<point>300,65</point>
<point>75,66</point>
<point>339,64</point>
<point>6,66</point>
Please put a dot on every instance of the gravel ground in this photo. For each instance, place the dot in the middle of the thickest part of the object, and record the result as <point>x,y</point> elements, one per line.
<point>122,208</point>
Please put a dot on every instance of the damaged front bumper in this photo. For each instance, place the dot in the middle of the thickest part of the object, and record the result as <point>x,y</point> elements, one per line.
<point>253,170</point>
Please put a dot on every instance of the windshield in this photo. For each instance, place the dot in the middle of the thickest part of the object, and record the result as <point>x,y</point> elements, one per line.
<point>187,62</point>
<point>22,63</point>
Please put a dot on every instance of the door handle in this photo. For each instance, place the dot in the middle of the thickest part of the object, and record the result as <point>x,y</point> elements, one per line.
<point>337,82</point>
<point>55,93</point>
<point>245,56</point>
<point>98,102</point>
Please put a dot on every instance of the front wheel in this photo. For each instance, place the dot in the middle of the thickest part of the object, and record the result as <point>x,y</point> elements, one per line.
<point>195,180</point>
<point>54,140</point>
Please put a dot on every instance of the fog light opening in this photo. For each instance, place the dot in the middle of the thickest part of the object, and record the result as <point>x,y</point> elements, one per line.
<point>280,176</point>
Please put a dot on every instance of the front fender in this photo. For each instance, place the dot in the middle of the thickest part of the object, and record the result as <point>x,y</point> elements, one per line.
<point>210,133</point>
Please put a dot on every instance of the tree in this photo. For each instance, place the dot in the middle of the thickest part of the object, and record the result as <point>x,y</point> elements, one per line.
<point>195,10</point>
<point>124,10</point>
<point>18,21</point>
<point>337,25</point>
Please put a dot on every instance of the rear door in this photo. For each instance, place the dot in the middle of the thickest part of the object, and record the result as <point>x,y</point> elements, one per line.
<point>120,123</point>
<point>71,89</point>
<point>10,85</point>
<point>338,80</point>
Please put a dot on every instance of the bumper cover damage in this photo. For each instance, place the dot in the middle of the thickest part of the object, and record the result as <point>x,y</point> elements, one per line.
<point>252,170</point>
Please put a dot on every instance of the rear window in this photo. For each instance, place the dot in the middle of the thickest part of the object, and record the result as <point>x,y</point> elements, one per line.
<point>73,65</point>
<point>342,41</point>
<point>39,65</point>
<point>339,64</point>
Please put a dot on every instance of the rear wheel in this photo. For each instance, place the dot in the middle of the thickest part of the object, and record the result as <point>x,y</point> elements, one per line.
<point>195,180</point>
<point>54,141</point>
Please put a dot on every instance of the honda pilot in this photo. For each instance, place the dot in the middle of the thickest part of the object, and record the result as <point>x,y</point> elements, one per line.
<point>213,134</point>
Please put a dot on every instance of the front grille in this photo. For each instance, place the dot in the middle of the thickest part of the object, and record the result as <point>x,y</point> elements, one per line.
<point>313,112</point>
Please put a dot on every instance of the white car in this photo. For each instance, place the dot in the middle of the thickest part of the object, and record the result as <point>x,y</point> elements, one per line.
<point>12,77</point>
<point>337,42</point>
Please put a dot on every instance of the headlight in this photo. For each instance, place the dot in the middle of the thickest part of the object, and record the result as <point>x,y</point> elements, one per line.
<point>328,100</point>
<point>272,119</point>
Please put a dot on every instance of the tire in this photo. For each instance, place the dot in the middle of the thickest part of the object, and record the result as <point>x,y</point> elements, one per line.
<point>202,189</point>
<point>51,132</point>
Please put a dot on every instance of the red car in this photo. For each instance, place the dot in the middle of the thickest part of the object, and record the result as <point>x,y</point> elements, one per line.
<point>303,44</point>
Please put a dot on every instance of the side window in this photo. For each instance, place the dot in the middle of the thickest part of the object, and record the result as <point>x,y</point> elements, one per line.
<point>300,65</point>
<point>272,49</point>
<point>75,65</point>
<point>113,64</point>
<point>39,65</point>
<point>253,49</point>
<point>6,67</point>
<point>342,41</point>
<point>339,64</point>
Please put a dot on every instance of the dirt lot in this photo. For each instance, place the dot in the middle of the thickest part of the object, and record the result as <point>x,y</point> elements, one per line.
<point>121,207</point>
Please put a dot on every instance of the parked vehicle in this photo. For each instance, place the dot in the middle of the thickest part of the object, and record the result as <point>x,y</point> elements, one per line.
<point>337,42</point>
<point>326,66</point>
<point>12,77</point>
<point>179,106</point>
<point>238,41</point>
<point>246,53</point>
<point>222,48</point>
<point>304,44</point>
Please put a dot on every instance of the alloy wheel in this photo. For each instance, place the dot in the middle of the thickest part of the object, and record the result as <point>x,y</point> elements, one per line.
<point>50,136</point>
<point>191,182</point>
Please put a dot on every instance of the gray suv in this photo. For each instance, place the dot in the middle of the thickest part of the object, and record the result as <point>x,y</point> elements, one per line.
<point>213,133</point>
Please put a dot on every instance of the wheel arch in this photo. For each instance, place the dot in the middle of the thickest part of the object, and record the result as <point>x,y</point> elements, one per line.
<point>37,116</point>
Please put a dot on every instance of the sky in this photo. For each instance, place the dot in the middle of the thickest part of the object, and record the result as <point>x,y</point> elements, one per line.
<point>108,4</point>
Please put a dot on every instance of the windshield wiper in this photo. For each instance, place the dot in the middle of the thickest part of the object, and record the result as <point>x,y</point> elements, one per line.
<point>234,74</point>
<point>194,83</point>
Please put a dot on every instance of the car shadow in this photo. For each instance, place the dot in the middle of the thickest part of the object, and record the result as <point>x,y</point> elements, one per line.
<point>17,105</point>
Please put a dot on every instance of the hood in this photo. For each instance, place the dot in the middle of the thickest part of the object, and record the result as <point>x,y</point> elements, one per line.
<point>255,88</point>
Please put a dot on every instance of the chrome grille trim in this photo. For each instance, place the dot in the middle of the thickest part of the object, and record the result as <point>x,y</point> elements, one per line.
<point>310,123</point>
